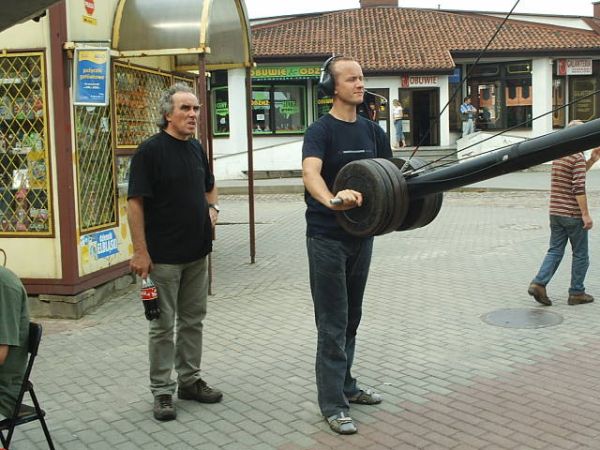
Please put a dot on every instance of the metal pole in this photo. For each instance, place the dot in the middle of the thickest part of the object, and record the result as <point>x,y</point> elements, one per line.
<point>510,159</point>
<point>203,135</point>
<point>251,222</point>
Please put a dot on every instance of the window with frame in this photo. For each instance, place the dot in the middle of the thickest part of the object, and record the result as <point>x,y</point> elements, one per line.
<point>220,111</point>
<point>95,170</point>
<point>25,203</point>
<point>558,101</point>
<point>322,103</point>
<point>578,93</point>
<point>503,94</point>
<point>278,109</point>
<point>455,94</point>
<point>137,93</point>
<point>585,106</point>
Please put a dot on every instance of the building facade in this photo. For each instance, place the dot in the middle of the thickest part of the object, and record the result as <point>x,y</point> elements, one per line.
<point>426,59</point>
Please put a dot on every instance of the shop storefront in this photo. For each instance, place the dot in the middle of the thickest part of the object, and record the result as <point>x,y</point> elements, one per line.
<point>71,116</point>
<point>284,100</point>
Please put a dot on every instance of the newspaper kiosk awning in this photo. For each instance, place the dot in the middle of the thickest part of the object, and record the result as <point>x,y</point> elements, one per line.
<point>219,29</point>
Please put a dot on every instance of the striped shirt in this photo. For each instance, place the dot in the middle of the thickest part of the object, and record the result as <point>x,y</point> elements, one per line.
<point>568,181</point>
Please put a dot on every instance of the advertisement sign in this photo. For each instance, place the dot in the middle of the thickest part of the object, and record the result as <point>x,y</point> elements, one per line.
<point>574,66</point>
<point>285,72</point>
<point>101,244</point>
<point>414,81</point>
<point>90,8</point>
<point>92,67</point>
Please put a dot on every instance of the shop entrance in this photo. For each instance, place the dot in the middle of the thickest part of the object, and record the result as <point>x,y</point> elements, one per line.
<point>421,108</point>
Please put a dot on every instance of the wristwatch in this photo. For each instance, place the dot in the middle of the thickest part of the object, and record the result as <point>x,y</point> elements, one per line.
<point>215,207</point>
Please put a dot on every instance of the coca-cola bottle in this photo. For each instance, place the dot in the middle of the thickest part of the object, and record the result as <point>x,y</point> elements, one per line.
<point>149,296</point>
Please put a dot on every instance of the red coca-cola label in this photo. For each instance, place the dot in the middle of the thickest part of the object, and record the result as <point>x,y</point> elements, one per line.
<point>149,293</point>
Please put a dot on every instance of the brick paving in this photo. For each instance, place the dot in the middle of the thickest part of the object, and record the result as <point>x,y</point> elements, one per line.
<point>449,379</point>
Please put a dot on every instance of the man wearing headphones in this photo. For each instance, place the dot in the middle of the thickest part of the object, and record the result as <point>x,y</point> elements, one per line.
<point>338,262</point>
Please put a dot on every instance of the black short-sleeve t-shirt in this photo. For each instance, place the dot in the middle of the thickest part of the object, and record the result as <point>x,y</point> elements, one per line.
<point>173,176</point>
<point>337,143</point>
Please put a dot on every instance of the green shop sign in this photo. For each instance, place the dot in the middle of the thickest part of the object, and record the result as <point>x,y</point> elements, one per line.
<point>289,108</point>
<point>285,72</point>
<point>221,109</point>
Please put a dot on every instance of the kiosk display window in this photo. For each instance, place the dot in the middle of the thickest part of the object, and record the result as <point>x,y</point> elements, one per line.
<point>25,204</point>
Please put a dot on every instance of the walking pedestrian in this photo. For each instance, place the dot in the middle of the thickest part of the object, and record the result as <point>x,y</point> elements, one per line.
<point>172,210</point>
<point>570,221</point>
<point>338,262</point>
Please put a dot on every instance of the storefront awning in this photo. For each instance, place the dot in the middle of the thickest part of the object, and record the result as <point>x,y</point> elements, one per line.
<point>217,28</point>
<point>13,12</point>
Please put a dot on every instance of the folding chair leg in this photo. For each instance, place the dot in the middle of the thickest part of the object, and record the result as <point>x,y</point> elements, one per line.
<point>38,410</point>
<point>9,434</point>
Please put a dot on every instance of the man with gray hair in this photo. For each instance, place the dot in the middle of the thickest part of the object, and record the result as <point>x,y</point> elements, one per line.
<point>570,221</point>
<point>172,210</point>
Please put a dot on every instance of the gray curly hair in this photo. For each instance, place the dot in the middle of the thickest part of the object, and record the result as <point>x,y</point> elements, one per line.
<point>165,104</point>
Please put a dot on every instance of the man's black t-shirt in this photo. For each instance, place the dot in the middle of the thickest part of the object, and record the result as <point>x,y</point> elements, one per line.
<point>337,143</point>
<point>172,176</point>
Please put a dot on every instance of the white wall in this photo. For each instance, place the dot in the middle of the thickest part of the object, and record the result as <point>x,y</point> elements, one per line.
<point>541,81</point>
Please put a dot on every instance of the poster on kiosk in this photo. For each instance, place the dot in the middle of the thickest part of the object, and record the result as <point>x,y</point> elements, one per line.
<point>92,66</point>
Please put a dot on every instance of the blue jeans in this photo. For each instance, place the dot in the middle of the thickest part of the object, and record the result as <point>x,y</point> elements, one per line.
<point>338,276</point>
<point>563,229</point>
<point>399,131</point>
<point>468,127</point>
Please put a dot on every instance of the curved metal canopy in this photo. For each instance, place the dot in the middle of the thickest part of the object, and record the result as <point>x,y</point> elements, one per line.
<point>217,28</point>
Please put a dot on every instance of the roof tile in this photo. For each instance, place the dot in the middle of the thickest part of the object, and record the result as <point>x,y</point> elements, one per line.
<point>387,39</point>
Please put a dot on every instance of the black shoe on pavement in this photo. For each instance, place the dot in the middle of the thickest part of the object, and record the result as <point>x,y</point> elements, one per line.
<point>538,292</point>
<point>164,408</point>
<point>580,299</point>
<point>201,392</point>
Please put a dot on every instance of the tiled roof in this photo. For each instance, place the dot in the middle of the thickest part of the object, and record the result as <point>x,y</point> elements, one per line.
<point>407,39</point>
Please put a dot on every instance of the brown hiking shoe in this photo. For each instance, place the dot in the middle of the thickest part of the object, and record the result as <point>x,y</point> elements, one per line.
<point>539,293</point>
<point>580,299</point>
<point>201,392</point>
<point>164,408</point>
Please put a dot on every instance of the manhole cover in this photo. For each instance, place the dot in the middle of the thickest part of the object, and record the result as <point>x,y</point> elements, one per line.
<point>522,318</point>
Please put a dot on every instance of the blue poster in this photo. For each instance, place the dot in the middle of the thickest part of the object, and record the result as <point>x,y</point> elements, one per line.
<point>91,76</point>
<point>101,244</point>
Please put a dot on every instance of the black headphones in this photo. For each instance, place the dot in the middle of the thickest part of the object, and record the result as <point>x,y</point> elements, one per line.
<point>326,80</point>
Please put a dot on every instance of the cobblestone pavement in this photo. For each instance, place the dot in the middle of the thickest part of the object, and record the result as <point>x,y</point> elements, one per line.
<point>450,380</point>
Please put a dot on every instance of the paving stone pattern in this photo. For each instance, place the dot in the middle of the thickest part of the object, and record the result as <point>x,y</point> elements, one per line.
<point>449,380</point>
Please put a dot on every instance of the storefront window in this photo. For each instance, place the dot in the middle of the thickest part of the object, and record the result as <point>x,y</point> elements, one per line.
<point>137,92</point>
<point>405,98</point>
<point>261,108</point>
<point>518,97</point>
<point>558,101</point>
<point>574,84</point>
<point>25,207</point>
<point>455,94</point>
<point>322,105</point>
<point>586,106</point>
<point>220,119</point>
<point>278,109</point>
<point>289,115</point>
<point>95,174</point>
<point>489,105</point>
<point>503,95</point>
